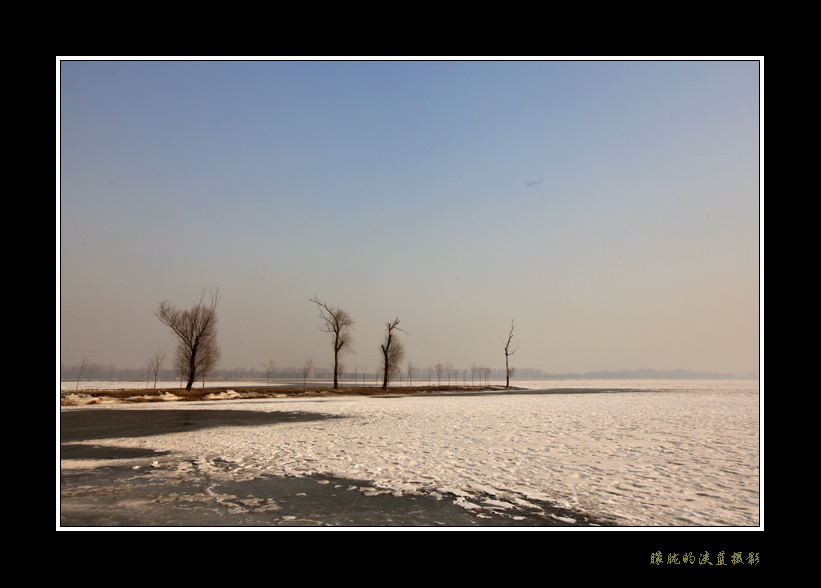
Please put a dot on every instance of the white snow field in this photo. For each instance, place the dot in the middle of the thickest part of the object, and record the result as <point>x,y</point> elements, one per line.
<point>649,453</point>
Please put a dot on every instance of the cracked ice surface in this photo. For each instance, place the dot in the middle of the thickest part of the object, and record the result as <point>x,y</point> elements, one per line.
<point>676,457</point>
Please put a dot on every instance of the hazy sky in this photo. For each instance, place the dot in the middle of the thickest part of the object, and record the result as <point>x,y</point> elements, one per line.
<point>611,208</point>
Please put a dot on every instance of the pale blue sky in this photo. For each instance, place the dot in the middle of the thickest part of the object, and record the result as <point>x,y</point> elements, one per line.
<point>400,189</point>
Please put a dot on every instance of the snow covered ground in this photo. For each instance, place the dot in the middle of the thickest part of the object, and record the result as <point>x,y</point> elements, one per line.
<point>658,453</point>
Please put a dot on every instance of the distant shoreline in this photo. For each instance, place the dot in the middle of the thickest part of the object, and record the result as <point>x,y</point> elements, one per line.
<point>526,374</point>
<point>97,396</point>
<point>160,395</point>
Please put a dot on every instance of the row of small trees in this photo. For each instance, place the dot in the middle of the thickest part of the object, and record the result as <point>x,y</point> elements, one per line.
<point>441,373</point>
<point>197,352</point>
<point>158,368</point>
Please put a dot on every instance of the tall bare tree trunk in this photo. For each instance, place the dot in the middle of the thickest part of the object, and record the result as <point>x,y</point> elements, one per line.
<point>508,353</point>
<point>338,322</point>
<point>392,353</point>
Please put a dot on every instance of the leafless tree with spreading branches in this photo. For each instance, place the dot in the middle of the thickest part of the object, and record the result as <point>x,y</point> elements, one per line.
<point>270,370</point>
<point>438,369</point>
<point>337,322</point>
<point>155,363</point>
<point>196,330</point>
<point>508,353</point>
<point>393,352</point>
<point>306,371</point>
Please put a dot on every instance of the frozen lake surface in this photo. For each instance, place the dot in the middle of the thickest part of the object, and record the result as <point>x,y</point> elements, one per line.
<point>649,453</point>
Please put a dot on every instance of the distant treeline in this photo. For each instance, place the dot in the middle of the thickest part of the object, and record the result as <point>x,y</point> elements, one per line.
<point>444,374</point>
<point>95,371</point>
<point>651,374</point>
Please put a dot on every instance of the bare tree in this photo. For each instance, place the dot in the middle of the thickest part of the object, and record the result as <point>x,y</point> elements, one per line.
<point>337,322</point>
<point>306,370</point>
<point>508,353</point>
<point>411,368</point>
<point>155,363</point>
<point>438,369</point>
<point>270,370</point>
<point>393,352</point>
<point>196,330</point>
<point>83,366</point>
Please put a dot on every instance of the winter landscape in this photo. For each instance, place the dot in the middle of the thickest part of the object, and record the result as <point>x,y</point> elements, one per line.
<point>230,223</point>
<point>636,453</point>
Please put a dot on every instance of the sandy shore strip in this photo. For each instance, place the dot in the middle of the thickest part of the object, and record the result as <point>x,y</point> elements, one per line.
<point>134,395</point>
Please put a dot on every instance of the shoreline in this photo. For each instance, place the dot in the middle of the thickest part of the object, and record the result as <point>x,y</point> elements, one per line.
<point>69,398</point>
